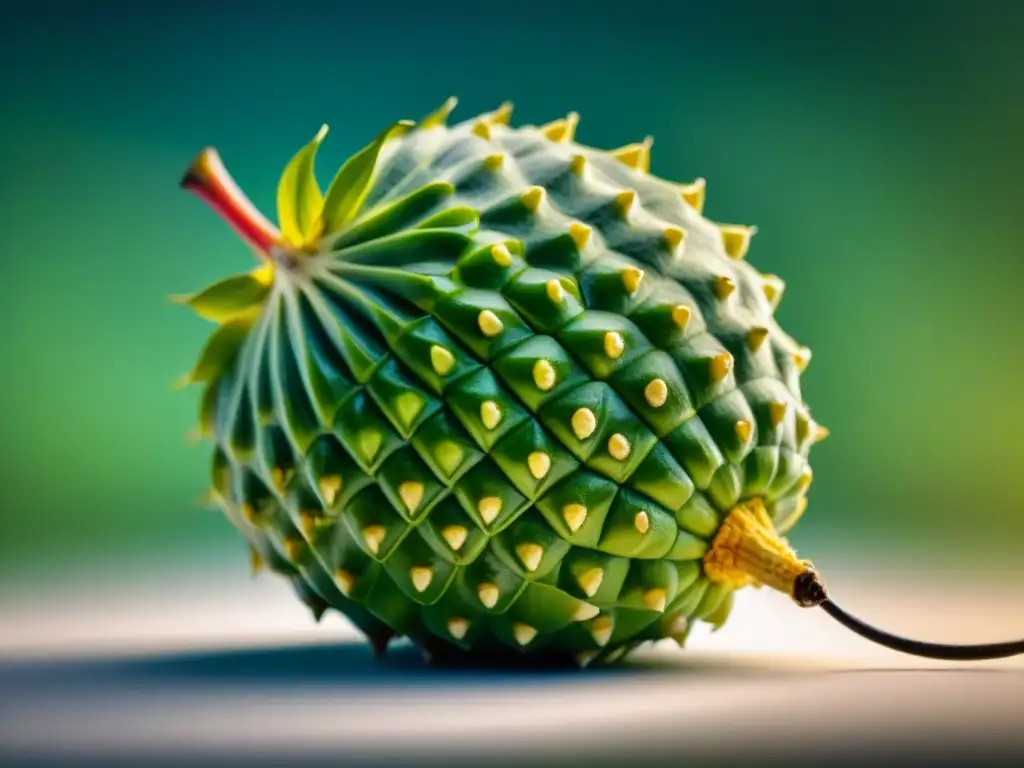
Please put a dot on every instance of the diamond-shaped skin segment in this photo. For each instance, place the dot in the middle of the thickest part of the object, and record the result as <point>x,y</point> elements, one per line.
<point>653,387</point>
<point>636,527</point>
<point>401,399</point>
<point>546,300</point>
<point>489,584</point>
<point>603,342</point>
<point>577,506</point>
<point>489,498</point>
<point>452,533</point>
<point>531,460</point>
<point>446,448</point>
<point>483,321</point>
<point>417,571</point>
<point>660,478</point>
<point>539,370</point>
<point>530,546</point>
<point>374,523</point>
<point>332,473</point>
<point>410,485</point>
<point>365,432</point>
<point>593,576</point>
<point>650,585</point>
<point>434,356</point>
<point>695,449</point>
<point>545,608</point>
<point>485,408</point>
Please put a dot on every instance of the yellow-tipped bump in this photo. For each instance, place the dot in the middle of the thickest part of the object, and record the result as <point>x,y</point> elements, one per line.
<point>585,612</point>
<point>483,130</point>
<point>543,375</point>
<point>441,360</point>
<point>293,548</point>
<point>720,365</point>
<point>590,581</point>
<point>618,447</point>
<point>555,291</point>
<point>743,430</point>
<point>539,464</point>
<point>490,414</point>
<point>673,237</point>
<point>256,562</point>
<point>724,286</point>
<point>458,627</point>
<point>411,494</point>
<point>248,512</point>
<point>346,581</point>
<point>489,508</point>
<point>532,198</point>
<point>773,288</point>
<point>455,536</point>
<point>625,201</point>
<point>501,255</point>
<point>681,316</point>
<point>523,633</point>
<point>601,630</point>
<point>802,358</point>
<point>421,576</point>
<point>693,194</point>
<point>820,433</point>
<point>736,239</point>
<point>330,487</point>
<point>656,599</point>
<point>642,522</point>
<point>374,536</point>
<point>530,555</point>
<point>578,165</point>
<point>490,324</point>
<point>756,337</point>
<point>656,393</point>
<point>631,279</point>
<point>440,116</point>
<point>636,156</point>
<point>574,515</point>
<point>580,233</point>
<point>777,412</point>
<point>614,345</point>
<point>584,422</point>
<point>494,162</point>
<point>488,594</point>
<point>563,130</point>
<point>502,115</point>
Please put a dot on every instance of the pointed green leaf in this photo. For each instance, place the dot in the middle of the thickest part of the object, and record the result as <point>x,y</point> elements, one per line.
<point>219,351</point>
<point>229,297</point>
<point>350,185</point>
<point>460,218</point>
<point>299,200</point>
<point>439,116</point>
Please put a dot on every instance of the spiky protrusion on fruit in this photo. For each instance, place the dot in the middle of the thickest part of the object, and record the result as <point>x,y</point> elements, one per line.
<point>496,388</point>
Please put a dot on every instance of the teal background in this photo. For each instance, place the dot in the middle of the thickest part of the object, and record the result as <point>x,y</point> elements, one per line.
<point>876,145</point>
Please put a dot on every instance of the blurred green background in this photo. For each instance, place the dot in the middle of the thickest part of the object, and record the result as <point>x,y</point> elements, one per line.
<point>877,145</point>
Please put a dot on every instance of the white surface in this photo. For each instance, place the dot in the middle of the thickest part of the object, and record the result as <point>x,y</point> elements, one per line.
<point>220,664</point>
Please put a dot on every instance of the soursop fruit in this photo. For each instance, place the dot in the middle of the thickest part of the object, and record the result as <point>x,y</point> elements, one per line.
<point>501,393</point>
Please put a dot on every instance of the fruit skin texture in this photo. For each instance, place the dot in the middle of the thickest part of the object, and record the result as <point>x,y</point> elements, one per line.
<point>495,391</point>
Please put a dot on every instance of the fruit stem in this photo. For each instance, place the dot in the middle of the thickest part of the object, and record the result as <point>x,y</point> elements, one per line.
<point>208,179</point>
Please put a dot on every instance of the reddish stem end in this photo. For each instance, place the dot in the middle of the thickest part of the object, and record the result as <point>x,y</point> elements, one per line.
<point>207,178</point>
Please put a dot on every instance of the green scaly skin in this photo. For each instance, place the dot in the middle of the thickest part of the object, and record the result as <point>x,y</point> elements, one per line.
<point>500,392</point>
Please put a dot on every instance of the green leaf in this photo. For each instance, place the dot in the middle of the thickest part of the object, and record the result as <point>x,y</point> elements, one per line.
<point>229,297</point>
<point>461,218</point>
<point>219,351</point>
<point>299,200</point>
<point>350,185</point>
